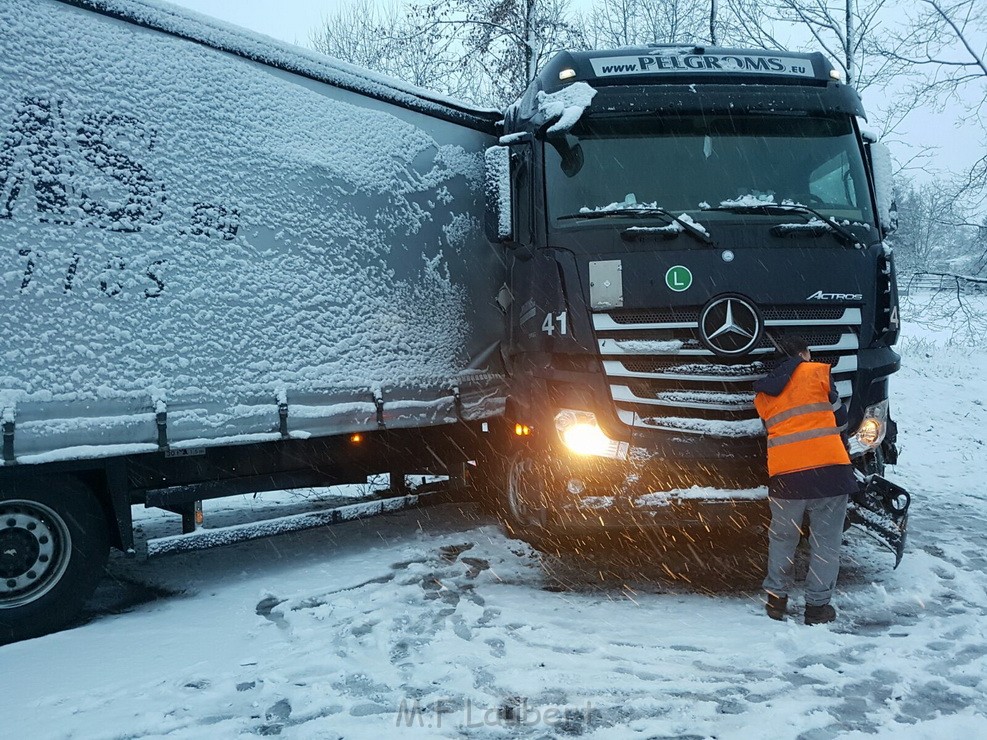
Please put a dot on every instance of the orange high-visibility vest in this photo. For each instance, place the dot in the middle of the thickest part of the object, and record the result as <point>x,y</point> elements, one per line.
<point>802,431</point>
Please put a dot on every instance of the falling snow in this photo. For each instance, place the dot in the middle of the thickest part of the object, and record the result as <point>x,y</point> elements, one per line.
<point>327,632</point>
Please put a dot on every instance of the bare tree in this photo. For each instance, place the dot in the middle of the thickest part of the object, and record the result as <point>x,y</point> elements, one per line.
<point>395,40</point>
<point>510,40</point>
<point>748,23</point>
<point>644,22</point>
<point>933,229</point>
<point>751,23</point>
<point>949,41</point>
<point>843,29</point>
<point>945,43</point>
<point>358,33</point>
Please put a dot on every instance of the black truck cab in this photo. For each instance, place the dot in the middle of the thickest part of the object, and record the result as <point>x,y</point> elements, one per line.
<point>674,211</point>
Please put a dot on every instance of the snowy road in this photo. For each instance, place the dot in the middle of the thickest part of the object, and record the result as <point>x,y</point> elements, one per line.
<point>431,623</point>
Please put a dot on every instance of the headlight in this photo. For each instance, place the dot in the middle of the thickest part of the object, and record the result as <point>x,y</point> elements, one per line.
<point>580,432</point>
<point>872,429</point>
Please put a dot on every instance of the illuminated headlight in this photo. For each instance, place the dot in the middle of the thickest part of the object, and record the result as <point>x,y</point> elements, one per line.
<point>872,429</point>
<point>580,432</point>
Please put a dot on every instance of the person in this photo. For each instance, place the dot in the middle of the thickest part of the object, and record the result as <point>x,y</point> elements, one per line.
<point>809,476</point>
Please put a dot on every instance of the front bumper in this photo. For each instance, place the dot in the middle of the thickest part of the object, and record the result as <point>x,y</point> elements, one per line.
<point>584,496</point>
<point>651,490</point>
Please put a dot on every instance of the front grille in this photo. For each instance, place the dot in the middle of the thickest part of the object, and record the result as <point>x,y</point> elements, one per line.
<point>813,336</point>
<point>662,376</point>
<point>656,316</point>
<point>802,313</point>
<point>691,314</point>
<point>687,393</point>
<point>715,366</point>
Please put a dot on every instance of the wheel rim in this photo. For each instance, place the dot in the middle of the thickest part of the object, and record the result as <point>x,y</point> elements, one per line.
<point>519,491</point>
<point>35,548</point>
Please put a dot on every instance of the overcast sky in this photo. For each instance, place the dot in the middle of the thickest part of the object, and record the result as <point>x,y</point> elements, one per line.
<point>292,20</point>
<point>288,20</point>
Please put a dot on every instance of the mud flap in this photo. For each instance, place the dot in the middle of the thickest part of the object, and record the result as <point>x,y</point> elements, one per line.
<point>881,508</point>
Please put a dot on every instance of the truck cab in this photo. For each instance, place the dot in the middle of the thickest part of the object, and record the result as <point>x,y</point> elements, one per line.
<point>669,213</point>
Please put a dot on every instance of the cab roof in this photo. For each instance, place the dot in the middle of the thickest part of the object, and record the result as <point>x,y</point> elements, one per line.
<point>682,79</point>
<point>678,63</point>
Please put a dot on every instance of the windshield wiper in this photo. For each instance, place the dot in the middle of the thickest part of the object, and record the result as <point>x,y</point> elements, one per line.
<point>773,209</point>
<point>647,212</point>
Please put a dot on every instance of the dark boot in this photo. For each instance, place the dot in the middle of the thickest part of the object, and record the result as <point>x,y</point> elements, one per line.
<point>776,606</point>
<point>819,614</point>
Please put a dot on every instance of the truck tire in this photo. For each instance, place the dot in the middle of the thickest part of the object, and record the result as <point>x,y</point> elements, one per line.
<point>873,462</point>
<point>54,542</point>
<point>525,515</point>
<point>526,492</point>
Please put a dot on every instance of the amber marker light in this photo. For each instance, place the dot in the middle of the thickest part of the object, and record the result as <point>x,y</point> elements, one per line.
<point>356,438</point>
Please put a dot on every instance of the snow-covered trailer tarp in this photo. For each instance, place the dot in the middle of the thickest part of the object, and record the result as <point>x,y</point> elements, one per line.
<point>209,237</point>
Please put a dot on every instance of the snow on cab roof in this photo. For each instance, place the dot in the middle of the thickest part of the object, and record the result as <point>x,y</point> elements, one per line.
<point>203,29</point>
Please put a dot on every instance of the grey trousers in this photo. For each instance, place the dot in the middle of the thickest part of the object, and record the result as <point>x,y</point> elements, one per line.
<point>825,536</point>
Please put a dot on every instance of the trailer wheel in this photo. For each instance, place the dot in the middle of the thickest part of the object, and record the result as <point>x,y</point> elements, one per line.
<point>54,543</point>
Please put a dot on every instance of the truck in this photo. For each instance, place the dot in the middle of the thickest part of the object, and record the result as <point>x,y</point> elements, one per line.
<point>227,265</point>
<point>230,265</point>
<point>670,213</point>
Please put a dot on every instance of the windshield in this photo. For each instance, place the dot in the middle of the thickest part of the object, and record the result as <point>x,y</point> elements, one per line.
<point>686,164</point>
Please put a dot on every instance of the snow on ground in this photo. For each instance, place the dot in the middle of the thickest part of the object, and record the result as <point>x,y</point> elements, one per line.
<point>431,623</point>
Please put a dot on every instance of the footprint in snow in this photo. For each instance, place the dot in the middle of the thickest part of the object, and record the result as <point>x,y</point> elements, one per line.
<point>449,553</point>
<point>280,710</point>
<point>276,715</point>
<point>265,608</point>
<point>475,566</point>
<point>265,605</point>
<point>460,628</point>
<point>497,647</point>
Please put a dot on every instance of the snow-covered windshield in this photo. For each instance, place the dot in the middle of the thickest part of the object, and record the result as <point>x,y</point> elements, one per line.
<point>689,163</point>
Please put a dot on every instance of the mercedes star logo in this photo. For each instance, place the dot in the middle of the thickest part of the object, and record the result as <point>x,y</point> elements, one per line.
<point>730,325</point>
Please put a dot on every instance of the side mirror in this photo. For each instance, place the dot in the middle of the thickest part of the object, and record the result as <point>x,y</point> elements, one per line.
<point>887,211</point>
<point>499,221</point>
<point>571,152</point>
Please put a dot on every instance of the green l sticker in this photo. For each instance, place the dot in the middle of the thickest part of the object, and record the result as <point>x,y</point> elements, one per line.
<point>678,278</point>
